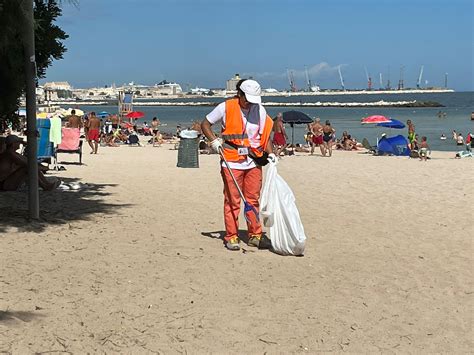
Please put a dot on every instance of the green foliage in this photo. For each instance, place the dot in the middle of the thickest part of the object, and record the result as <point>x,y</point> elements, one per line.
<point>48,47</point>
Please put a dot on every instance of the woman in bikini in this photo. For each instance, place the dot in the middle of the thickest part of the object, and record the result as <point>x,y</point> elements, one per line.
<point>328,133</point>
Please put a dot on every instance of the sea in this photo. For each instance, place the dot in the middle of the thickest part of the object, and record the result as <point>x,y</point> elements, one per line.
<point>429,122</point>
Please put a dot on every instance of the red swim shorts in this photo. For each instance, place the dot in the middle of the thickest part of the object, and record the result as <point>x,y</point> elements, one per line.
<point>318,140</point>
<point>279,139</point>
<point>93,135</point>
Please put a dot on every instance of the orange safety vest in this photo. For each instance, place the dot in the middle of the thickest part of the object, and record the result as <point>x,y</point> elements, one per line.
<point>234,134</point>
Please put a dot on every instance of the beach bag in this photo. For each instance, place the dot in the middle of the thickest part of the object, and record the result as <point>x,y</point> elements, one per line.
<point>280,215</point>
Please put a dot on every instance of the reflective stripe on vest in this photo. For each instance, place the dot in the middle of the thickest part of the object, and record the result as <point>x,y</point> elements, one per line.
<point>228,137</point>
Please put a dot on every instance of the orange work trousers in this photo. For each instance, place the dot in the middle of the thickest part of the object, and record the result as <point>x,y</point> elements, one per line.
<point>250,182</point>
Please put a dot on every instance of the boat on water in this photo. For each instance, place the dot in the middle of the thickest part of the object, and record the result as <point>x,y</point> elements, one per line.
<point>472,116</point>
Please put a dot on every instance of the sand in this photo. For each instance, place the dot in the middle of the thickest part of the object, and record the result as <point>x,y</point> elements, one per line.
<point>134,264</point>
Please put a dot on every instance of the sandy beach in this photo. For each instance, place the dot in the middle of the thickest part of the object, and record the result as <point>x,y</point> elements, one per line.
<point>134,263</point>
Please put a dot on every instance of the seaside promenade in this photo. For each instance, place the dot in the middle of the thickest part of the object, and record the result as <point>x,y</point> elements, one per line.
<point>133,263</point>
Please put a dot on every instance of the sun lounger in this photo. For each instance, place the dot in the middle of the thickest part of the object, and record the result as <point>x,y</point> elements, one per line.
<point>71,143</point>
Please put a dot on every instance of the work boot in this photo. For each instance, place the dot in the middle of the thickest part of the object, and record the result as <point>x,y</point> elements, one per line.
<point>232,243</point>
<point>254,240</point>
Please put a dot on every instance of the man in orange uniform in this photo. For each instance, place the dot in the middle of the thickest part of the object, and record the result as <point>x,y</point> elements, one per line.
<point>246,130</point>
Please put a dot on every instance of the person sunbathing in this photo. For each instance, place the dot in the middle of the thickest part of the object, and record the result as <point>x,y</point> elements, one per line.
<point>14,168</point>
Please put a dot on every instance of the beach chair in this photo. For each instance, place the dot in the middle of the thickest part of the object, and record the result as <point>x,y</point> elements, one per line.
<point>45,146</point>
<point>71,143</point>
<point>370,148</point>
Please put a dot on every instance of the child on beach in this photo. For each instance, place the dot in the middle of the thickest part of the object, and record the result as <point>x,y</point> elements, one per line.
<point>424,147</point>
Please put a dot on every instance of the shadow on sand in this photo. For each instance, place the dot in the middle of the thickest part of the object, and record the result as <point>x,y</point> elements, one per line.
<point>14,316</point>
<point>243,236</point>
<point>56,207</point>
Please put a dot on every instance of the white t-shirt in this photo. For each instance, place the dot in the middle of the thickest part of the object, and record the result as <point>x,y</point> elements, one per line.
<point>254,122</point>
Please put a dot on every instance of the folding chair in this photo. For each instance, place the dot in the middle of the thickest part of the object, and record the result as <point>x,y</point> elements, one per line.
<point>71,143</point>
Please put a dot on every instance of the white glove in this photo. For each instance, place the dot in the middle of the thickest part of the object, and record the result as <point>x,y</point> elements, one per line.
<point>216,144</point>
<point>272,158</point>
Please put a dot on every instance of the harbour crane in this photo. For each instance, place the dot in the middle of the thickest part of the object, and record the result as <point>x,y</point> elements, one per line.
<point>291,80</point>
<point>340,77</point>
<point>418,83</point>
<point>308,80</point>
<point>388,79</point>
<point>400,82</point>
<point>369,79</point>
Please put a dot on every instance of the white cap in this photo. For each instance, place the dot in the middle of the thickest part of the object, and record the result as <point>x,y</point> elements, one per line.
<point>252,91</point>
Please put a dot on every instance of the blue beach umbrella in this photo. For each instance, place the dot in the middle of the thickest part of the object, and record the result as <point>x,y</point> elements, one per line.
<point>392,124</point>
<point>103,114</point>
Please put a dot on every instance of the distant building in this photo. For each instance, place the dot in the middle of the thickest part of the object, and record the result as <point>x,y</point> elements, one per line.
<point>232,83</point>
<point>57,85</point>
<point>57,90</point>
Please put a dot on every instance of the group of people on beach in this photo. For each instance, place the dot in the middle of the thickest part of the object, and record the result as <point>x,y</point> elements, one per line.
<point>112,132</point>
<point>317,135</point>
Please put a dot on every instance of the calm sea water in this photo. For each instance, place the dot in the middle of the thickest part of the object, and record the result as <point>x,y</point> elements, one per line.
<point>458,108</point>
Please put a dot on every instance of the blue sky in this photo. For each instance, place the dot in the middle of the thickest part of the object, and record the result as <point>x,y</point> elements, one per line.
<point>204,42</point>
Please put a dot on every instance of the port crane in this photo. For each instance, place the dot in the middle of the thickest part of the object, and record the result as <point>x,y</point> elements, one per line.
<point>291,80</point>
<point>369,79</point>
<point>308,80</point>
<point>340,77</point>
<point>418,83</point>
<point>400,82</point>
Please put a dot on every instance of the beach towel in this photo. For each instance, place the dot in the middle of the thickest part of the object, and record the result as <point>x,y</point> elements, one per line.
<point>45,147</point>
<point>70,139</point>
<point>55,130</point>
<point>279,213</point>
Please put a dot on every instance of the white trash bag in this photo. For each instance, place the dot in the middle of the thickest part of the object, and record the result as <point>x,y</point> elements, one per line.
<point>280,215</point>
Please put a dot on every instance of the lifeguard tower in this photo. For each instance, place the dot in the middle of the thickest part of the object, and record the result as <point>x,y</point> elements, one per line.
<point>125,103</point>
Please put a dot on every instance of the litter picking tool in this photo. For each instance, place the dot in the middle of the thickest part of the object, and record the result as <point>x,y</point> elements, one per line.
<point>247,206</point>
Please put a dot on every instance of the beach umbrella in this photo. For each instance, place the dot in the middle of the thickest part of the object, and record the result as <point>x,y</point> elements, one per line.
<point>78,111</point>
<point>103,114</point>
<point>392,124</point>
<point>295,117</point>
<point>43,115</point>
<point>375,119</point>
<point>135,114</point>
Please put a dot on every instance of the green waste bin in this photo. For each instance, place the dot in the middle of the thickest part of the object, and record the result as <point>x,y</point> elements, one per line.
<point>188,153</point>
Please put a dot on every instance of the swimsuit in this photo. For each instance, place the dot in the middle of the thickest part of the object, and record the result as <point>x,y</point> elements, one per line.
<point>423,152</point>
<point>327,137</point>
<point>318,139</point>
<point>411,137</point>
<point>93,134</point>
<point>279,139</point>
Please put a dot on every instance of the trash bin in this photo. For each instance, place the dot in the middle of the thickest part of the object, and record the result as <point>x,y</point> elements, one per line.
<point>188,153</point>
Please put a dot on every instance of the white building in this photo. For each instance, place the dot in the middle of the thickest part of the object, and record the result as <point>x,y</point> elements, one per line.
<point>57,90</point>
<point>232,83</point>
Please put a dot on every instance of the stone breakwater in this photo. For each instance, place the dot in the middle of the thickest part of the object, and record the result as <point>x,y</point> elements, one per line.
<point>381,103</point>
